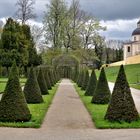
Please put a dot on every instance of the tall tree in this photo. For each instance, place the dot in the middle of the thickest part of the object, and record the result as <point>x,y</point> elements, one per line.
<point>52,22</point>
<point>25,10</point>
<point>99,48</point>
<point>14,45</point>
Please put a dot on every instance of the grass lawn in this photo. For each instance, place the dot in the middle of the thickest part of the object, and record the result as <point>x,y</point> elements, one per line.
<point>38,112</point>
<point>3,82</point>
<point>97,113</point>
<point>132,73</point>
<point>22,80</point>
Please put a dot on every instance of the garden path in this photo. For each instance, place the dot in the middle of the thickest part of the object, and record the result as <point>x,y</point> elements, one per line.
<point>67,119</point>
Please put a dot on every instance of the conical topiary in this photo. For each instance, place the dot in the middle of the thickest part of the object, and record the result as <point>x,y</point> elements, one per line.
<point>121,107</point>
<point>42,82</point>
<point>47,79</point>
<point>13,106</point>
<point>82,75</point>
<point>79,78</point>
<point>85,80</point>
<point>32,90</point>
<point>101,94</point>
<point>91,85</point>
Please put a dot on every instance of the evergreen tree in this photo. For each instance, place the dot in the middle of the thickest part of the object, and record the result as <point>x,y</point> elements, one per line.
<point>14,44</point>
<point>42,82</point>
<point>47,79</point>
<point>32,90</point>
<point>79,78</point>
<point>85,80</point>
<point>50,77</point>
<point>82,75</point>
<point>121,107</point>
<point>91,85</point>
<point>13,106</point>
<point>34,58</point>
<point>101,94</point>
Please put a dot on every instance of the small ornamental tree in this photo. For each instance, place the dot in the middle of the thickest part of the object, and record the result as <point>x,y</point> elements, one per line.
<point>101,94</point>
<point>121,107</point>
<point>32,90</point>
<point>13,106</point>
<point>53,78</point>
<point>79,78</point>
<point>50,77</point>
<point>85,80</point>
<point>91,85</point>
<point>42,82</point>
<point>47,79</point>
<point>82,75</point>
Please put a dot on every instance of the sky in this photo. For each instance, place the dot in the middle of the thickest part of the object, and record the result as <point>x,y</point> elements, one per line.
<point>119,16</point>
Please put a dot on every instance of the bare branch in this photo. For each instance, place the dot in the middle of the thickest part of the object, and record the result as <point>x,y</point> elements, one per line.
<point>25,10</point>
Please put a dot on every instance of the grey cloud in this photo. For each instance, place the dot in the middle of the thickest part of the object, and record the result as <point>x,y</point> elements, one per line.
<point>102,9</point>
<point>112,9</point>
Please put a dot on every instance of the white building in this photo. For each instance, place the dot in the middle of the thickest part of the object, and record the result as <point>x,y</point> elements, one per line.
<point>132,48</point>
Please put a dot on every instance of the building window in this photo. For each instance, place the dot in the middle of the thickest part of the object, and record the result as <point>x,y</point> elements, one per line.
<point>128,49</point>
<point>135,38</point>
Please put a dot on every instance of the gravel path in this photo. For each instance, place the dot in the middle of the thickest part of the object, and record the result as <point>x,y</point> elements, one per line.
<point>67,119</point>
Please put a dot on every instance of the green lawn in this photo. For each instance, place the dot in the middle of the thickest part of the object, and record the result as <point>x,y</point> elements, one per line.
<point>132,72</point>
<point>38,112</point>
<point>22,80</point>
<point>97,113</point>
<point>3,82</point>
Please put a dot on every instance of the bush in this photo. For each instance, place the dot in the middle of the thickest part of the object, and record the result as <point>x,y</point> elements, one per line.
<point>42,82</point>
<point>91,85</point>
<point>51,78</point>
<point>85,80</point>
<point>47,79</point>
<point>101,94</point>
<point>13,106</point>
<point>32,90</point>
<point>82,75</point>
<point>121,107</point>
<point>79,78</point>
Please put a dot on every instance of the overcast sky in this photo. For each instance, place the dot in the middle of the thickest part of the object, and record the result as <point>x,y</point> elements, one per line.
<point>120,16</point>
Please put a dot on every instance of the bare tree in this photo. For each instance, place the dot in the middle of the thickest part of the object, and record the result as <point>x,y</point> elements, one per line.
<point>37,33</point>
<point>25,10</point>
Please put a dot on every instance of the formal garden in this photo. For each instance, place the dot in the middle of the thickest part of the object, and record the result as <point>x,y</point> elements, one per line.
<point>30,77</point>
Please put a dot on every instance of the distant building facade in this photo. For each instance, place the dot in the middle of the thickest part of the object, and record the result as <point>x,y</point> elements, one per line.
<point>132,48</point>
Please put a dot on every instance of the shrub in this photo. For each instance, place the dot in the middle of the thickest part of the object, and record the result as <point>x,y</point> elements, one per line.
<point>101,94</point>
<point>13,106</point>
<point>51,77</point>
<point>47,79</point>
<point>91,84</point>
<point>79,78</point>
<point>82,75</point>
<point>121,107</point>
<point>42,82</point>
<point>32,90</point>
<point>85,80</point>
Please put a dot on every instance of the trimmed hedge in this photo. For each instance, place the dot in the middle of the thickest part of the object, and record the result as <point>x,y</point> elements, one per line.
<point>42,82</point>
<point>102,93</point>
<point>47,79</point>
<point>122,106</point>
<point>91,84</point>
<point>13,106</point>
<point>85,80</point>
<point>32,90</point>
